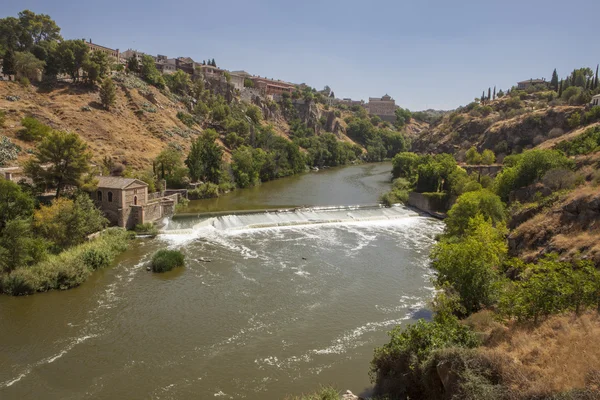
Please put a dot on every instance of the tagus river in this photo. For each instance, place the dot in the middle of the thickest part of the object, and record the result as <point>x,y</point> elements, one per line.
<point>289,302</point>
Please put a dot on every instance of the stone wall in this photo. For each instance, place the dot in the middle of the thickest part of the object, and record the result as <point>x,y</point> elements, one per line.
<point>430,205</point>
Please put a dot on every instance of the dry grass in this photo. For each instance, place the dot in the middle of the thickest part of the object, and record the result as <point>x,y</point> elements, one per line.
<point>553,229</point>
<point>556,356</point>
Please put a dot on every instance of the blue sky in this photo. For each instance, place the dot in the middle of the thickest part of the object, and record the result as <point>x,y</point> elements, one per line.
<point>426,54</point>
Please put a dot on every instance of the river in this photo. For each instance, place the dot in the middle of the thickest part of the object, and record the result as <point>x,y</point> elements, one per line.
<point>289,302</point>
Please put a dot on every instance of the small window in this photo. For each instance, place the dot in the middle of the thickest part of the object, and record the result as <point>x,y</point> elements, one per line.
<point>135,200</point>
<point>99,194</point>
<point>110,197</point>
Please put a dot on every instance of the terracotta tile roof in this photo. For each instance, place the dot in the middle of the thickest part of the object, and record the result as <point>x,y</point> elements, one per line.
<point>117,182</point>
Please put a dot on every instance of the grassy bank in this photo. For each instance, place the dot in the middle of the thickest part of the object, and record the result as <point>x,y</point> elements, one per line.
<point>67,269</point>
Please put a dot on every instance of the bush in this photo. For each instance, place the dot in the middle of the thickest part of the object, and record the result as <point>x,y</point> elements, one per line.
<point>396,368</point>
<point>166,260</point>
<point>550,287</point>
<point>468,264</point>
<point>204,191</point>
<point>186,118</point>
<point>472,156</point>
<point>398,194</point>
<point>470,204</point>
<point>585,143</point>
<point>146,229</point>
<point>96,258</point>
<point>33,130</point>
<point>574,120</point>
<point>528,168</point>
<point>67,269</point>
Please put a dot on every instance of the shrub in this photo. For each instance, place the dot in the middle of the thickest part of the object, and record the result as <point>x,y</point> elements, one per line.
<point>33,130</point>
<point>96,258</point>
<point>470,204</point>
<point>585,143</point>
<point>527,168</point>
<point>574,120</point>
<point>67,269</point>
<point>398,194</point>
<point>488,157</point>
<point>204,191</point>
<point>147,228</point>
<point>2,118</point>
<point>550,287</point>
<point>397,365</point>
<point>472,156</point>
<point>186,118</point>
<point>468,264</point>
<point>165,260</point>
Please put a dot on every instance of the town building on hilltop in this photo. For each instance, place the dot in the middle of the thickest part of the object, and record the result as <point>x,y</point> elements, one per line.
<point>384,108</point>
<point>110,52</point>
<point>525,84</point>
<point>272,87</point>
<point>165,65</point>
<point>126,55</point>
<point>595,100</point>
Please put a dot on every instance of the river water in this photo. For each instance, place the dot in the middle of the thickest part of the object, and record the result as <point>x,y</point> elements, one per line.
<point>289,301</point>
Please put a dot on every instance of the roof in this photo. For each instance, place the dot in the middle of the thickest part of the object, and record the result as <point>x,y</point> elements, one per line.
<point>597,95</point>
<point>117,182</point>
<point>533,81</point>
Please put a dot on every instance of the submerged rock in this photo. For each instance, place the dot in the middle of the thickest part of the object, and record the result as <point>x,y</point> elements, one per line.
<point>349,396</point>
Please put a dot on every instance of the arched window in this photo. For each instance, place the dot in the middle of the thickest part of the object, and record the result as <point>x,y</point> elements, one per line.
<point>110,197</point>
<point>99,194</point>
<point>135,200</point>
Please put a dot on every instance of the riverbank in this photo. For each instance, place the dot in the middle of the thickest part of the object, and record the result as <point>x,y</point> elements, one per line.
<point>274,313</point>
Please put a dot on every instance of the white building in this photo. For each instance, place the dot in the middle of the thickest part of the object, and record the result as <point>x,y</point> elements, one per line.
<point>595,100</point>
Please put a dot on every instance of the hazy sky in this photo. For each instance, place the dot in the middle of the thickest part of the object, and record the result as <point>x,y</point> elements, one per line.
<point>426,54</point>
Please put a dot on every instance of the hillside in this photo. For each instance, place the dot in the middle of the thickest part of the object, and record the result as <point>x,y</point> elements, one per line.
<point>144,119</point>
<point>507,125</point>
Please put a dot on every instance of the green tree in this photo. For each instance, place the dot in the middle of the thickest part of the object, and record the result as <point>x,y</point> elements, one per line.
<point>133,65</point>
<point>473,157</point>
<point>488,157</point>
<point>33,130</point>
<point>39,27</point>
<point>167,163</point>
<point>60,160</point>
<point>18,246</point>
<point>554,81</point>
<point>528,168</point>
<point>204,160</point>
<point>468,205</point>
<point>254,113</point>
<point>246,164</point>
<point>8,63</point>
<point>27,65</point>
<point>468,264</point>
<point>108,94</point>
<point>149,72</point>
<point>403,117</point>
<point>67,222</point>
<point>14,203</point>
<point>96,67</point>
<point>72,56</point>
<point>179,82</point>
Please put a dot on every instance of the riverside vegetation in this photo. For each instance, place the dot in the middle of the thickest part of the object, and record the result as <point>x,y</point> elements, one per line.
<point>225,143</point>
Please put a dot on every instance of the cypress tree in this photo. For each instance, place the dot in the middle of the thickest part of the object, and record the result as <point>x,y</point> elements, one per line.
<point>554,80</point>
<point>489,94</point>
<point>494,96</point>
<point>8,63</point>
<point>560,89</point>
<point>596,79</point>
<point>483,97</point>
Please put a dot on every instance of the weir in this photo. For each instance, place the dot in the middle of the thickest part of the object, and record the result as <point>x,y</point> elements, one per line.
<point>274,218</point>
